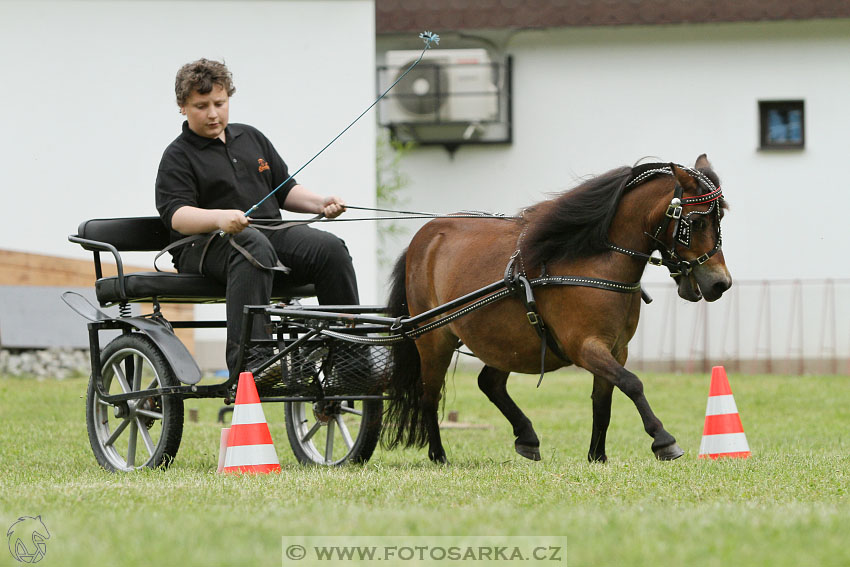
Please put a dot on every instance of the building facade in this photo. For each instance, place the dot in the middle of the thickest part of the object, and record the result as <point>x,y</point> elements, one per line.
<point>761,87</point>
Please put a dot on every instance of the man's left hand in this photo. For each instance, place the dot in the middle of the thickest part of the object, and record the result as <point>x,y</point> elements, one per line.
<point>333,207</point>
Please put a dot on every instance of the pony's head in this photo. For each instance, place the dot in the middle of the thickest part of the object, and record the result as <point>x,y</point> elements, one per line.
<point>694,233</point>
<point>684,227</point>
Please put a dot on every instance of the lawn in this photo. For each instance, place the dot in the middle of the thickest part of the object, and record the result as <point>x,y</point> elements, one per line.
<point>786,505</point>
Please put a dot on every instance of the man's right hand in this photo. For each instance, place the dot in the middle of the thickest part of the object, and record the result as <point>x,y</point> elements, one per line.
<point>192,220</point>
<point>231,221</point>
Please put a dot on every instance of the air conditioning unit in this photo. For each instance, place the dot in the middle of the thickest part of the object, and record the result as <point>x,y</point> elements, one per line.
<point>447,86</point>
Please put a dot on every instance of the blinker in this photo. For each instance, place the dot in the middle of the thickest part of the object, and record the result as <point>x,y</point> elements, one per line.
<point>683,233</point>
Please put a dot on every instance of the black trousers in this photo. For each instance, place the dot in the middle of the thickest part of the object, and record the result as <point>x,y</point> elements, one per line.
<point>315,257</point>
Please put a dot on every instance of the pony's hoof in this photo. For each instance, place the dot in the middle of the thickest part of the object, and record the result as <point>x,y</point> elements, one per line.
<point>669,453</point>
<point>527,451</point>
<point>597,459</point>
<point>439,459</point>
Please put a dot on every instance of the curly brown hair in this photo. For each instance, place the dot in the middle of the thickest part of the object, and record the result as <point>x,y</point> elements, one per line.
<point>201,76</point>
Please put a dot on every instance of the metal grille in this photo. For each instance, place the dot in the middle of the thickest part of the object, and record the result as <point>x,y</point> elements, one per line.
<point>327,368</point>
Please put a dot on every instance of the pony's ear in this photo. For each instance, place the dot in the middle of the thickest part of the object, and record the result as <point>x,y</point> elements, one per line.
<point>687,182</point>
<point>702,161</point>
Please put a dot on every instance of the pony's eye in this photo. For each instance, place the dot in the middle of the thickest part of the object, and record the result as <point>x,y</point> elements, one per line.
<point>698,224</point>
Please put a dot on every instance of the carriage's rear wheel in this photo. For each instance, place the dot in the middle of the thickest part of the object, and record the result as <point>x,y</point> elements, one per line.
<point>333,432</point>
<point>139,433</point>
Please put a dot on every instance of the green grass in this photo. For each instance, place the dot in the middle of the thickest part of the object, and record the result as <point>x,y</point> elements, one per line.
<point>786,505</point>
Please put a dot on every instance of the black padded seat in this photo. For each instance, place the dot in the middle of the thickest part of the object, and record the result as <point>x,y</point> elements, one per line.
<point>169,287</point>
<point>149,234</point>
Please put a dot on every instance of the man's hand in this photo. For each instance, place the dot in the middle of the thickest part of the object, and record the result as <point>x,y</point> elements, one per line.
<point>192,220</point>
<point>333,207</point>
<point>302,200</point>
<point>231,221</point>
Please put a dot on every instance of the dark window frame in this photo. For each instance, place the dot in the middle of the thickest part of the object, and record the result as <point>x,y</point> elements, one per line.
<point>784,107</point>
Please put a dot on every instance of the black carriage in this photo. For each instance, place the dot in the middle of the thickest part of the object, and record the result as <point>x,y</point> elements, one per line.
<point>323,363</point>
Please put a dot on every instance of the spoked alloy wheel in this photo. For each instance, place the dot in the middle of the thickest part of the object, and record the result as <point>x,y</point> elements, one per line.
<point>333,432</point>
<point>138,433</point>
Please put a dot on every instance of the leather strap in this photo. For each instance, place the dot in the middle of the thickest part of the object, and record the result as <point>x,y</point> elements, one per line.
<point>517,283</point>
<point>278,267</point>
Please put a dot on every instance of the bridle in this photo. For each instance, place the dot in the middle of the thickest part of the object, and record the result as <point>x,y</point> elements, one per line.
<point>682,223</point>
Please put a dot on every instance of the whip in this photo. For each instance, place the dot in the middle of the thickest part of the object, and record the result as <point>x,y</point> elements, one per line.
<point>428,38</point>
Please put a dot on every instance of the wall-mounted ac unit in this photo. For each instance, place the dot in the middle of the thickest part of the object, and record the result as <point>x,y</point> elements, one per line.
<point>447,86</point>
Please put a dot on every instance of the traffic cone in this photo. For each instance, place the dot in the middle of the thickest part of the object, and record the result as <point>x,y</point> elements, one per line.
<point>249,442</point>
<point>222,447</point>
<point>723,434</point>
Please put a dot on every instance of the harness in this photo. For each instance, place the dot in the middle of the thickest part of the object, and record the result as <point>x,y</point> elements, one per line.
<point>517,282</point>
<point>670,258</point>
<point>519,285</point>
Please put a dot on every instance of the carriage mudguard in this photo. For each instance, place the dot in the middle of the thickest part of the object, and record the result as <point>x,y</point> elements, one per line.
<point>178,356</point>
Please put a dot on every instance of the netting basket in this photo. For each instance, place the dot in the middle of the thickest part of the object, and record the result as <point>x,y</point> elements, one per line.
<point>327,367</point>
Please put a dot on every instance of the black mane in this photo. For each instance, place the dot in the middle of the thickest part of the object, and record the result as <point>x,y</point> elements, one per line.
<point>576,223</point>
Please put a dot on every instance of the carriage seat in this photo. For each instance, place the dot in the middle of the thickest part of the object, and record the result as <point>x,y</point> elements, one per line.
<point>149,234</point>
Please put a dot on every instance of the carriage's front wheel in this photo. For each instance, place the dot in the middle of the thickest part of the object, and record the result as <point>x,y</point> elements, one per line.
<point>137,433</point>
<point>333,432</point>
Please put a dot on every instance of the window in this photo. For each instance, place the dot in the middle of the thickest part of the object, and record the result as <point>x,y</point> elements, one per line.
<point>782,124</point>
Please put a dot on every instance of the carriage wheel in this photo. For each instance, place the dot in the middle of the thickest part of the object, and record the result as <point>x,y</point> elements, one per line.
<point>146,432</point>
<point>333,433</point>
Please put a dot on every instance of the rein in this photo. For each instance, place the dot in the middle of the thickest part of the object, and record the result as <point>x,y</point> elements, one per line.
<point>400,215</point>
<point>278,224</point>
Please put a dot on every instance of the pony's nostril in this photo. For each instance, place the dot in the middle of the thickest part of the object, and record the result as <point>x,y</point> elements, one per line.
<point>720,287</point>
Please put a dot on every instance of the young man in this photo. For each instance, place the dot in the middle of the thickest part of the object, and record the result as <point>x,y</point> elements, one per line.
<point>210,175</point>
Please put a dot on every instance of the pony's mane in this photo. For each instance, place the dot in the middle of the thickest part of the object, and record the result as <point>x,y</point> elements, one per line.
<point>576,223</point>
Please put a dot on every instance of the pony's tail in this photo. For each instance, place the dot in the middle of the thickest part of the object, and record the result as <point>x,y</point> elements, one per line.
<point>403,423</point>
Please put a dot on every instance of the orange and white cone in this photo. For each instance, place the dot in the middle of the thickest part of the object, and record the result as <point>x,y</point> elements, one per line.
<point>249,443</point>
<point>222,448</point>
<point>723,434</point>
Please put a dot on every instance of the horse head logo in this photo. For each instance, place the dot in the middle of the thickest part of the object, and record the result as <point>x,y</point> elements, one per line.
<point>28,539</point>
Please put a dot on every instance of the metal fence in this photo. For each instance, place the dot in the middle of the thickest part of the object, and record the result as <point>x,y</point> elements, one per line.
<point>769,326</point>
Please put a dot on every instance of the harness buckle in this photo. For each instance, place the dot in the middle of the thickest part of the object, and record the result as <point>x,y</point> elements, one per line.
<point>674,210</point>
<point>703,259</point>
<point>532,318</point>
<point>655,261</point>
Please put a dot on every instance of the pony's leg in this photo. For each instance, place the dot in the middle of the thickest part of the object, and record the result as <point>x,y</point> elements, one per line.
<point>601,397</point>
<point>436,355</point>
<point>596,358</point>
<point>493,382</point>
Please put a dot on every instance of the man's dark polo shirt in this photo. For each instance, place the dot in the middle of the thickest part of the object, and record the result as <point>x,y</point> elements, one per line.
<point>210,174</point>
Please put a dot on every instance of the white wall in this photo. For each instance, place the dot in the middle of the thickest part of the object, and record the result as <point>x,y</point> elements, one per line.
<point>88,104</point>
<point>587,100</point>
